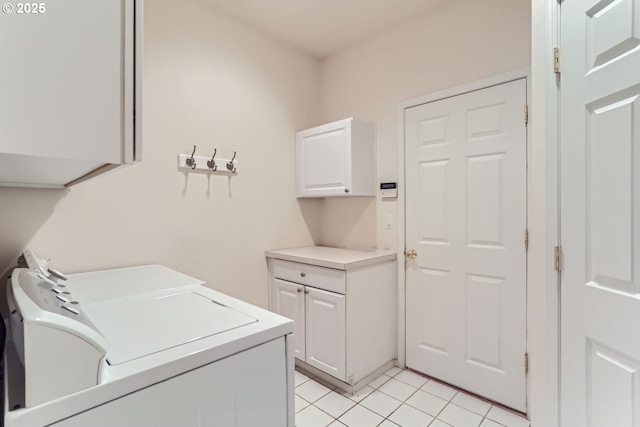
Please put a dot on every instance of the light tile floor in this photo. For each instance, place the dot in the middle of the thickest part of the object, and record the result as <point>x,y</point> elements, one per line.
<point>398,398</point>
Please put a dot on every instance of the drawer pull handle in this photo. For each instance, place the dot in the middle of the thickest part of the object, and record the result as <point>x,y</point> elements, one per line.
<point>303,274</point>
<point>299,290</point>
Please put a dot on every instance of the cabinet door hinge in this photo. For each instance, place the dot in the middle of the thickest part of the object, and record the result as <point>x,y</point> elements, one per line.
<point>526,114</point>
<point>526,239</point>
<point>556,60</point>
<point>526,363</point>
<point>557,258</point>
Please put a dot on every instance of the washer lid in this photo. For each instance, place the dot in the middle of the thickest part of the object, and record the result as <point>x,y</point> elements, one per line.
<point>145,324</point>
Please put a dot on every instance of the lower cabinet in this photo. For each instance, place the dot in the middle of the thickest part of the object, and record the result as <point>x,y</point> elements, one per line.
<point>320,324</point>
<point>344,317</point>
<point>287,299</point>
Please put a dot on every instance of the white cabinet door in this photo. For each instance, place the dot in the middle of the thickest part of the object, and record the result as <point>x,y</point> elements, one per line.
<point>287,299</point>
<point>324,160</point>
<point>325,321</point>
<point>336,160</point>
<point>69,107</point>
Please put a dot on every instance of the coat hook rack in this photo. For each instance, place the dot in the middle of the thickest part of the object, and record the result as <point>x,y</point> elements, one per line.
<point>198,164</point>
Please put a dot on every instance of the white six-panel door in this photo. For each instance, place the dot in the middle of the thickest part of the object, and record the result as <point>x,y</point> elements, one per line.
<point>600,213</point>
<point>466,219</point>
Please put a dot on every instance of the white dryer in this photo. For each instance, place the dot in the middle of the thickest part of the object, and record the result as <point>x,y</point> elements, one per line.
<point>141,346</point>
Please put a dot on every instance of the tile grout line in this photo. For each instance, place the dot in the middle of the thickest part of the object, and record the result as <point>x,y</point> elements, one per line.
<point>402,402</point>
<point>374,390</point>
<point>443,408</point>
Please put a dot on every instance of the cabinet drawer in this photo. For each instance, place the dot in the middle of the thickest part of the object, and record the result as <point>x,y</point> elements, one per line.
<point>289,271</point>
<point>325,278</point>
<point>310,275</point>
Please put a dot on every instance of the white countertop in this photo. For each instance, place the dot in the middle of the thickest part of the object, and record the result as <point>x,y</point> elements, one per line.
<point>338,258</point>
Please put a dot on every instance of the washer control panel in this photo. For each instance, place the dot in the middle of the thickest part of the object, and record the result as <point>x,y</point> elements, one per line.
<point>52,295</point>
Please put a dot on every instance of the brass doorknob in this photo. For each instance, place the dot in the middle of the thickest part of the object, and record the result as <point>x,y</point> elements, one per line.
<point>411,254</point>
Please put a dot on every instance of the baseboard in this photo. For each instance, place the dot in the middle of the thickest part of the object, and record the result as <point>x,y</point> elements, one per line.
<point>351,388</point>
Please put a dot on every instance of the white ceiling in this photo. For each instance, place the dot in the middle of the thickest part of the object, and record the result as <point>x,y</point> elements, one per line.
<point>323,27</point>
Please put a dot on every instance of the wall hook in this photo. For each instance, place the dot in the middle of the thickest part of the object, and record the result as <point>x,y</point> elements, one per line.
<point>191,162</point>
<point>230,166</point>
<point>212,163</point>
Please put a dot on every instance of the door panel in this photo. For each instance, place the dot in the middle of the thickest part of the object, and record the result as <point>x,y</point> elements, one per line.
<point>599,205</point>
<point>614,379</point>
<point>466,217</point>
<point>485,200</point>
<point>610,146</point>
<point>484,323</point>
<point>433,207</point>
<point>612,30</point>
<point>287,299</point>
<point>326,332</point>
<point>433,292</point>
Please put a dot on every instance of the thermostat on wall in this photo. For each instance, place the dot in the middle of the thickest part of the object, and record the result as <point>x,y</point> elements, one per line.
<point>388,190</point>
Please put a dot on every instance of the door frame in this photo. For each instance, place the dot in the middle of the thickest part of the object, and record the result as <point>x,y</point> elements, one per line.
<point>545,327</point>
<point>401,223</point>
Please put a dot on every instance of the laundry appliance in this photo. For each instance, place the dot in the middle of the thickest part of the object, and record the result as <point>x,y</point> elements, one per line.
<point>141,346</point>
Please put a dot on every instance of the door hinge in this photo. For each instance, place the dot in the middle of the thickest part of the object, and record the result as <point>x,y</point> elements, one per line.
<point>526,114</point>
<point>526,363</point>
<point>557,258</point>
<point>526,239</point>
<point>556,60</point>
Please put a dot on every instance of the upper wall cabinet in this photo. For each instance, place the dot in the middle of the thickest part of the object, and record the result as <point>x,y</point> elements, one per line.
<point>336,160</point>
<point>70,90</point>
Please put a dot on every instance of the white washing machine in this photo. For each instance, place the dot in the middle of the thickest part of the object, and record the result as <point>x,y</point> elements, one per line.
<point>141,346</point>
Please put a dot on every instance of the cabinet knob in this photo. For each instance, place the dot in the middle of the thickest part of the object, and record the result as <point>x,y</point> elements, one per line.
<point>303,274</point>
<point>346,190</point>
<point>306,291</point>
<point>299,290</point>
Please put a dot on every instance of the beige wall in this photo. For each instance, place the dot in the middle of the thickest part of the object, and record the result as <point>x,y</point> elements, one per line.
<point>459,42</point>
<point>210,81</point>
<point>456,42</point>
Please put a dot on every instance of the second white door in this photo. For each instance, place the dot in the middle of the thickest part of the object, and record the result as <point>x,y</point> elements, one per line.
<point>466,220</point>
<point>600,213</point>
